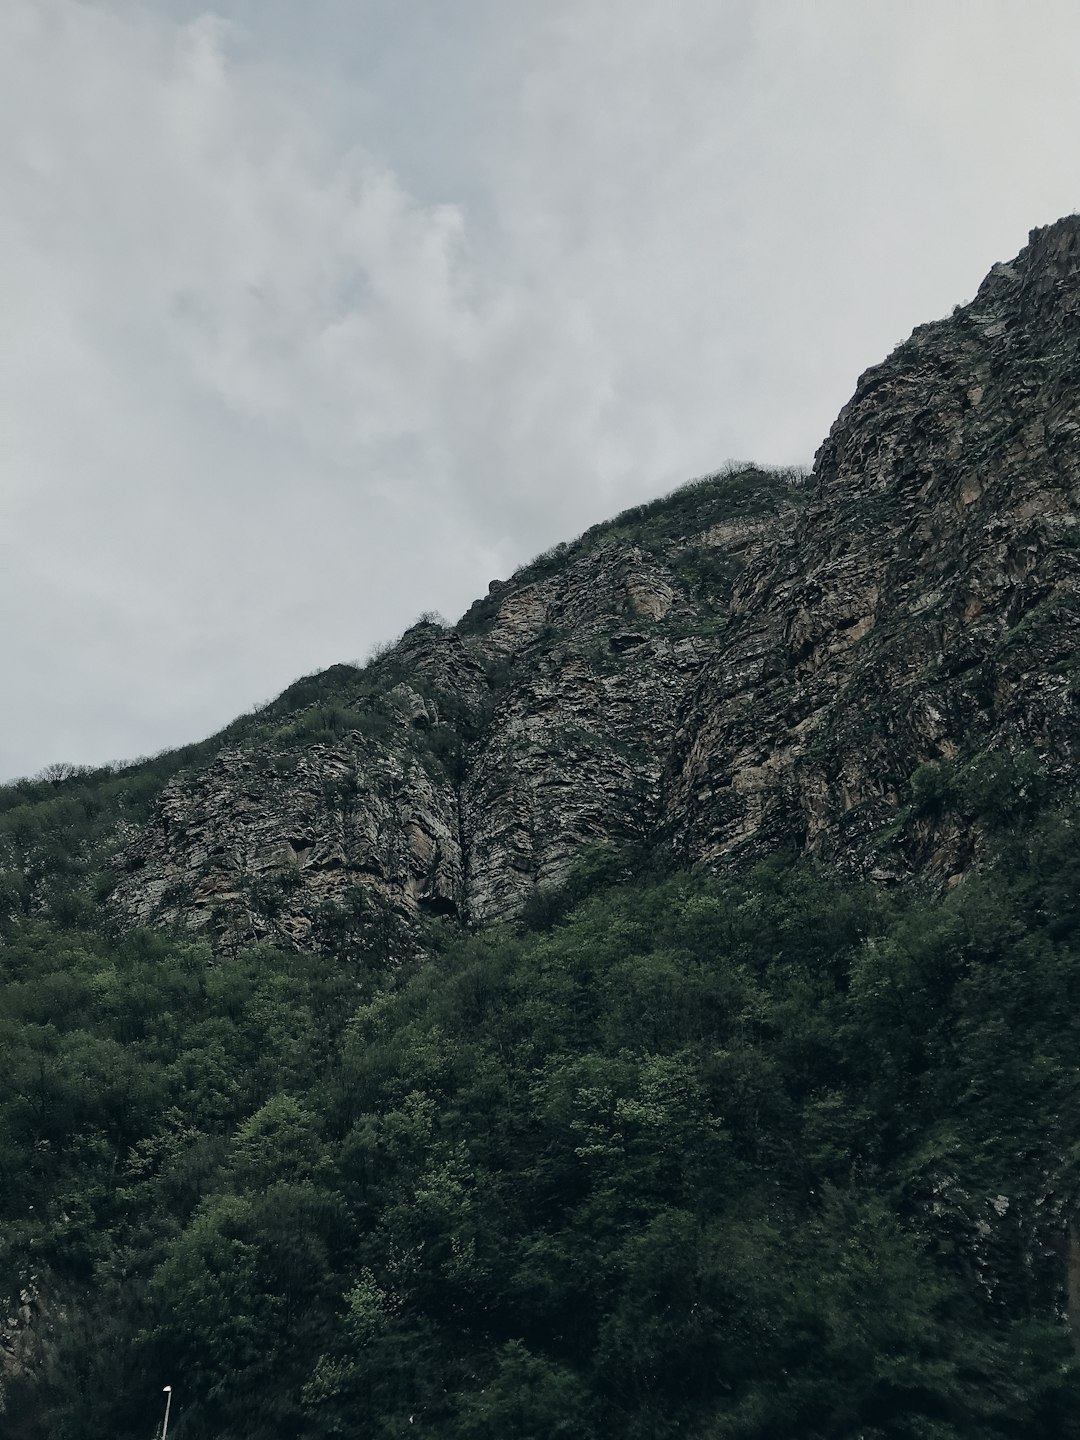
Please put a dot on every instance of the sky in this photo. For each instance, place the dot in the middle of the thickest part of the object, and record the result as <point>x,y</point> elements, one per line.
<point>319,316</point>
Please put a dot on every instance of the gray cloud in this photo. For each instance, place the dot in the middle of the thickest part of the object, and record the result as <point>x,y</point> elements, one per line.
<point>316,317</point>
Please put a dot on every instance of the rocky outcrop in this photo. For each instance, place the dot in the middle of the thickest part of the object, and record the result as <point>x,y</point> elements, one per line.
<point>467,765</point>
<point>756,662</point>
<point>574,752</point>
<point>269,841</point>
<point>925,604</point>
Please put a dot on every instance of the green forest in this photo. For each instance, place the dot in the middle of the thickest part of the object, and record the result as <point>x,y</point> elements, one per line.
<point>771,1156</point>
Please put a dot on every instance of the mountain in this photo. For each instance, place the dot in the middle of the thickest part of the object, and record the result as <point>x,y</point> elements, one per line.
<point>467,764</point>
<point>760,662</point>
<point>646,1007</point>
<point>924,604</point>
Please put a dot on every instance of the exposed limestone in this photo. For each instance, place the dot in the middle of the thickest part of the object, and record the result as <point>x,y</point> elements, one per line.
<point>481,762</point>
<point>755,663</point>
<point>926,602</point>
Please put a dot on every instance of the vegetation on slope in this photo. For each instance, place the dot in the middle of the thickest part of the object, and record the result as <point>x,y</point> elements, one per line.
<point>738,492</point>
<point>765,1157</point>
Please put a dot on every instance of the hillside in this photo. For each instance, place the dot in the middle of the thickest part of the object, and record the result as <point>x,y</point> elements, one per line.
<point>759,661</point>
<point>460,769</point>
<point>644,1008</point>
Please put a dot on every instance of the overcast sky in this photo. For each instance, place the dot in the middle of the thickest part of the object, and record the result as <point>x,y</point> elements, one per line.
<point>318,315</point>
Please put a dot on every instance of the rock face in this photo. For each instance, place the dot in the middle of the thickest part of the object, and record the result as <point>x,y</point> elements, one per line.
<point>469,764</point>
<point>924,605</point>
<point>270,839</point>
<point>761,660</point>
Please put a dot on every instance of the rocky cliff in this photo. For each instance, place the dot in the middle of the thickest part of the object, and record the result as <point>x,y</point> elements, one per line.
<point>467,764</point>
<point>925,603</point>
<point>835,662</point>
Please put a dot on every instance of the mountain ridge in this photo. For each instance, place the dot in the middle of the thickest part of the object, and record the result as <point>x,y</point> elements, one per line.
<point>484,741</point>
<point>760,661</point>
<point>757,662</point>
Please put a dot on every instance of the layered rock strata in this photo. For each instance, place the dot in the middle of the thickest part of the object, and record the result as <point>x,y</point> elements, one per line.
<point>757,662</point>
<point>924,605</point>
<point>472,763</point>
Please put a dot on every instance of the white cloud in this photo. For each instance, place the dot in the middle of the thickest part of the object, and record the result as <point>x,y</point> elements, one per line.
<point>262,398</point>
<point>225,349</point>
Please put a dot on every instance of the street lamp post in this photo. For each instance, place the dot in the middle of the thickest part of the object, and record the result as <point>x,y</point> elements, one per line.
<point>168,1401</point>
